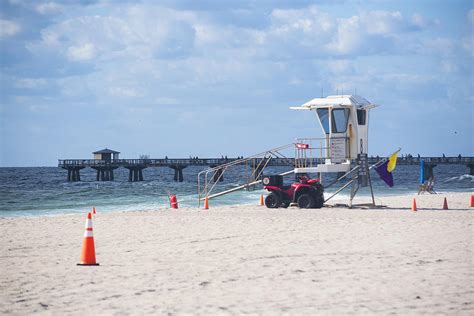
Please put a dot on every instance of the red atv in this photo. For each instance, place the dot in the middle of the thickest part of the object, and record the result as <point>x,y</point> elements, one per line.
<point>307,193</point>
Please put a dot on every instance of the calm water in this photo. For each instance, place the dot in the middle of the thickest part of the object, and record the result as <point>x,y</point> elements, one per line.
<point>45,191</point>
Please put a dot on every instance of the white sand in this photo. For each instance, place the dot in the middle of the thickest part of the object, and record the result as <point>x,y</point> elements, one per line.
<point>241,259</point>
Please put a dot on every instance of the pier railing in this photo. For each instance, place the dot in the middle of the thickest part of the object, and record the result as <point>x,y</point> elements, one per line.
<point>144,162</point>
<point>161,162</point>
<point>302,159</point>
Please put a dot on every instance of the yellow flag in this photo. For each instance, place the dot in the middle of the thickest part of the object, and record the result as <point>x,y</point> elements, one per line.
<point>392,162</point>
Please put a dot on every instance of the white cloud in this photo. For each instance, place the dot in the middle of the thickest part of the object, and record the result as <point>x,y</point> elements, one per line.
<point>166,101</point>
<point>48,8</point>
<point>29,83</point>
<point>468,44</point>
<point>341,66</point>
<point>449,67</point>
<point>129,32</point>
<point>310,21</point>
<point>470,16</point>
<point>418,20</point>
<point>84,52</point>
<point>382,22</point>
<point>349,37</point>
<point>39,108</point>
<point>8,28</point>
<point>439,45</point>
<point>320,34</point>
<point>124,92</point>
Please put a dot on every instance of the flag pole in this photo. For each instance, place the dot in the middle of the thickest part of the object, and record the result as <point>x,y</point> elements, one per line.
<point>378,163</point>
<point>371,190</point>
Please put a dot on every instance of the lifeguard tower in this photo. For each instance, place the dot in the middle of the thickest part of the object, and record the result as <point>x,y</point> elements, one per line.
<point>344,120</point>
<point>343,150</point>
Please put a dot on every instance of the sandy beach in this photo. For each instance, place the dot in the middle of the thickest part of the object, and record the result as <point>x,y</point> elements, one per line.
<point>246,260</point>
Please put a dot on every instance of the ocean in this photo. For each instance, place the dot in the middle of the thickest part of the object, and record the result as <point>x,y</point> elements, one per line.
<point>40,191</point>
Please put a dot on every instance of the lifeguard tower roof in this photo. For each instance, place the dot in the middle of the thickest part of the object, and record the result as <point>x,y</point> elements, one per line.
<point>335,101</point>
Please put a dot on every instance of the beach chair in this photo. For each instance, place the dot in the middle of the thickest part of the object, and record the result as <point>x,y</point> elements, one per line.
<point>428,186</point>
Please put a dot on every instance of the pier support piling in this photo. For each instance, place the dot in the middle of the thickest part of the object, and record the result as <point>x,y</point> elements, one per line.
<point>104,173</point>
<point>218,174</point>
<point>471,169</point>
<point>135,173</point>
<point>178,172</point>
<point>73,173</point>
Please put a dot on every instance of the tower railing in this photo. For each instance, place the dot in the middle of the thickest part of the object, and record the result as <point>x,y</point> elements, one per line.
<point>310,152</point>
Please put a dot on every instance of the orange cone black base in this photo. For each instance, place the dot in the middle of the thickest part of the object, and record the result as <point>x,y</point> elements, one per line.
<point>87,264</point>
<point>445,204</point>
<point>413,206</point>
<point>88,248</point>
<point>206,203</point>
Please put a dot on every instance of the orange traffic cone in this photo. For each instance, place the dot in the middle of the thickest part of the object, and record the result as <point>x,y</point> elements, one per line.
<point>261,200</point>
<point>88,249</point>
<point>472,200</point>
<point>413,206</point>
<point>93,210</point>
<point>206,203</point>
<point>445,204</point>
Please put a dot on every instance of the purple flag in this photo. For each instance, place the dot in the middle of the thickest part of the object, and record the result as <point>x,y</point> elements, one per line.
<point>384,174</point>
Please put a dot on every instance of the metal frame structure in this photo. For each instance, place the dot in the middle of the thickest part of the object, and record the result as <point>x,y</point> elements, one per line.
<point>208,179</point>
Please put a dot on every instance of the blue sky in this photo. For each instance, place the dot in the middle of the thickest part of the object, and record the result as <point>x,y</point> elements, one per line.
<point>211,78</point>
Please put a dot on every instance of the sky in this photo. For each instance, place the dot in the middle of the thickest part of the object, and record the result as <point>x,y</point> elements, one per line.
<point>182,78</point>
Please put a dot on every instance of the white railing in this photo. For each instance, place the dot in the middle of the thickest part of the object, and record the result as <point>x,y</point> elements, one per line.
<point>250,170</point>
<point>309,152</point>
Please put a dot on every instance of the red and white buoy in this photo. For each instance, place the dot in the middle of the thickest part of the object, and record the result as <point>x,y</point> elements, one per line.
<point>173,201</point>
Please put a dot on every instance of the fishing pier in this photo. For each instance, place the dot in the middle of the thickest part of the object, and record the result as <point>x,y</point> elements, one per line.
<point>106,161</point>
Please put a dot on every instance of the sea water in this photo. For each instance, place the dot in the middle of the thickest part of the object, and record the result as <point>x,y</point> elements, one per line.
<point>45,191</point>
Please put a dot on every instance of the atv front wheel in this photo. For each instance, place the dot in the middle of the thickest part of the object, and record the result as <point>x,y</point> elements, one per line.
<point>285,203</point>
<point>272,201</point>
<point>305,201</point>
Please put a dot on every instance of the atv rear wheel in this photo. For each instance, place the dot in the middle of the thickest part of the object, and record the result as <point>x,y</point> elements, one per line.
<point>318,195</point>
<point>305,201</point>
<point>318,201</point>
<point>272,201</point>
